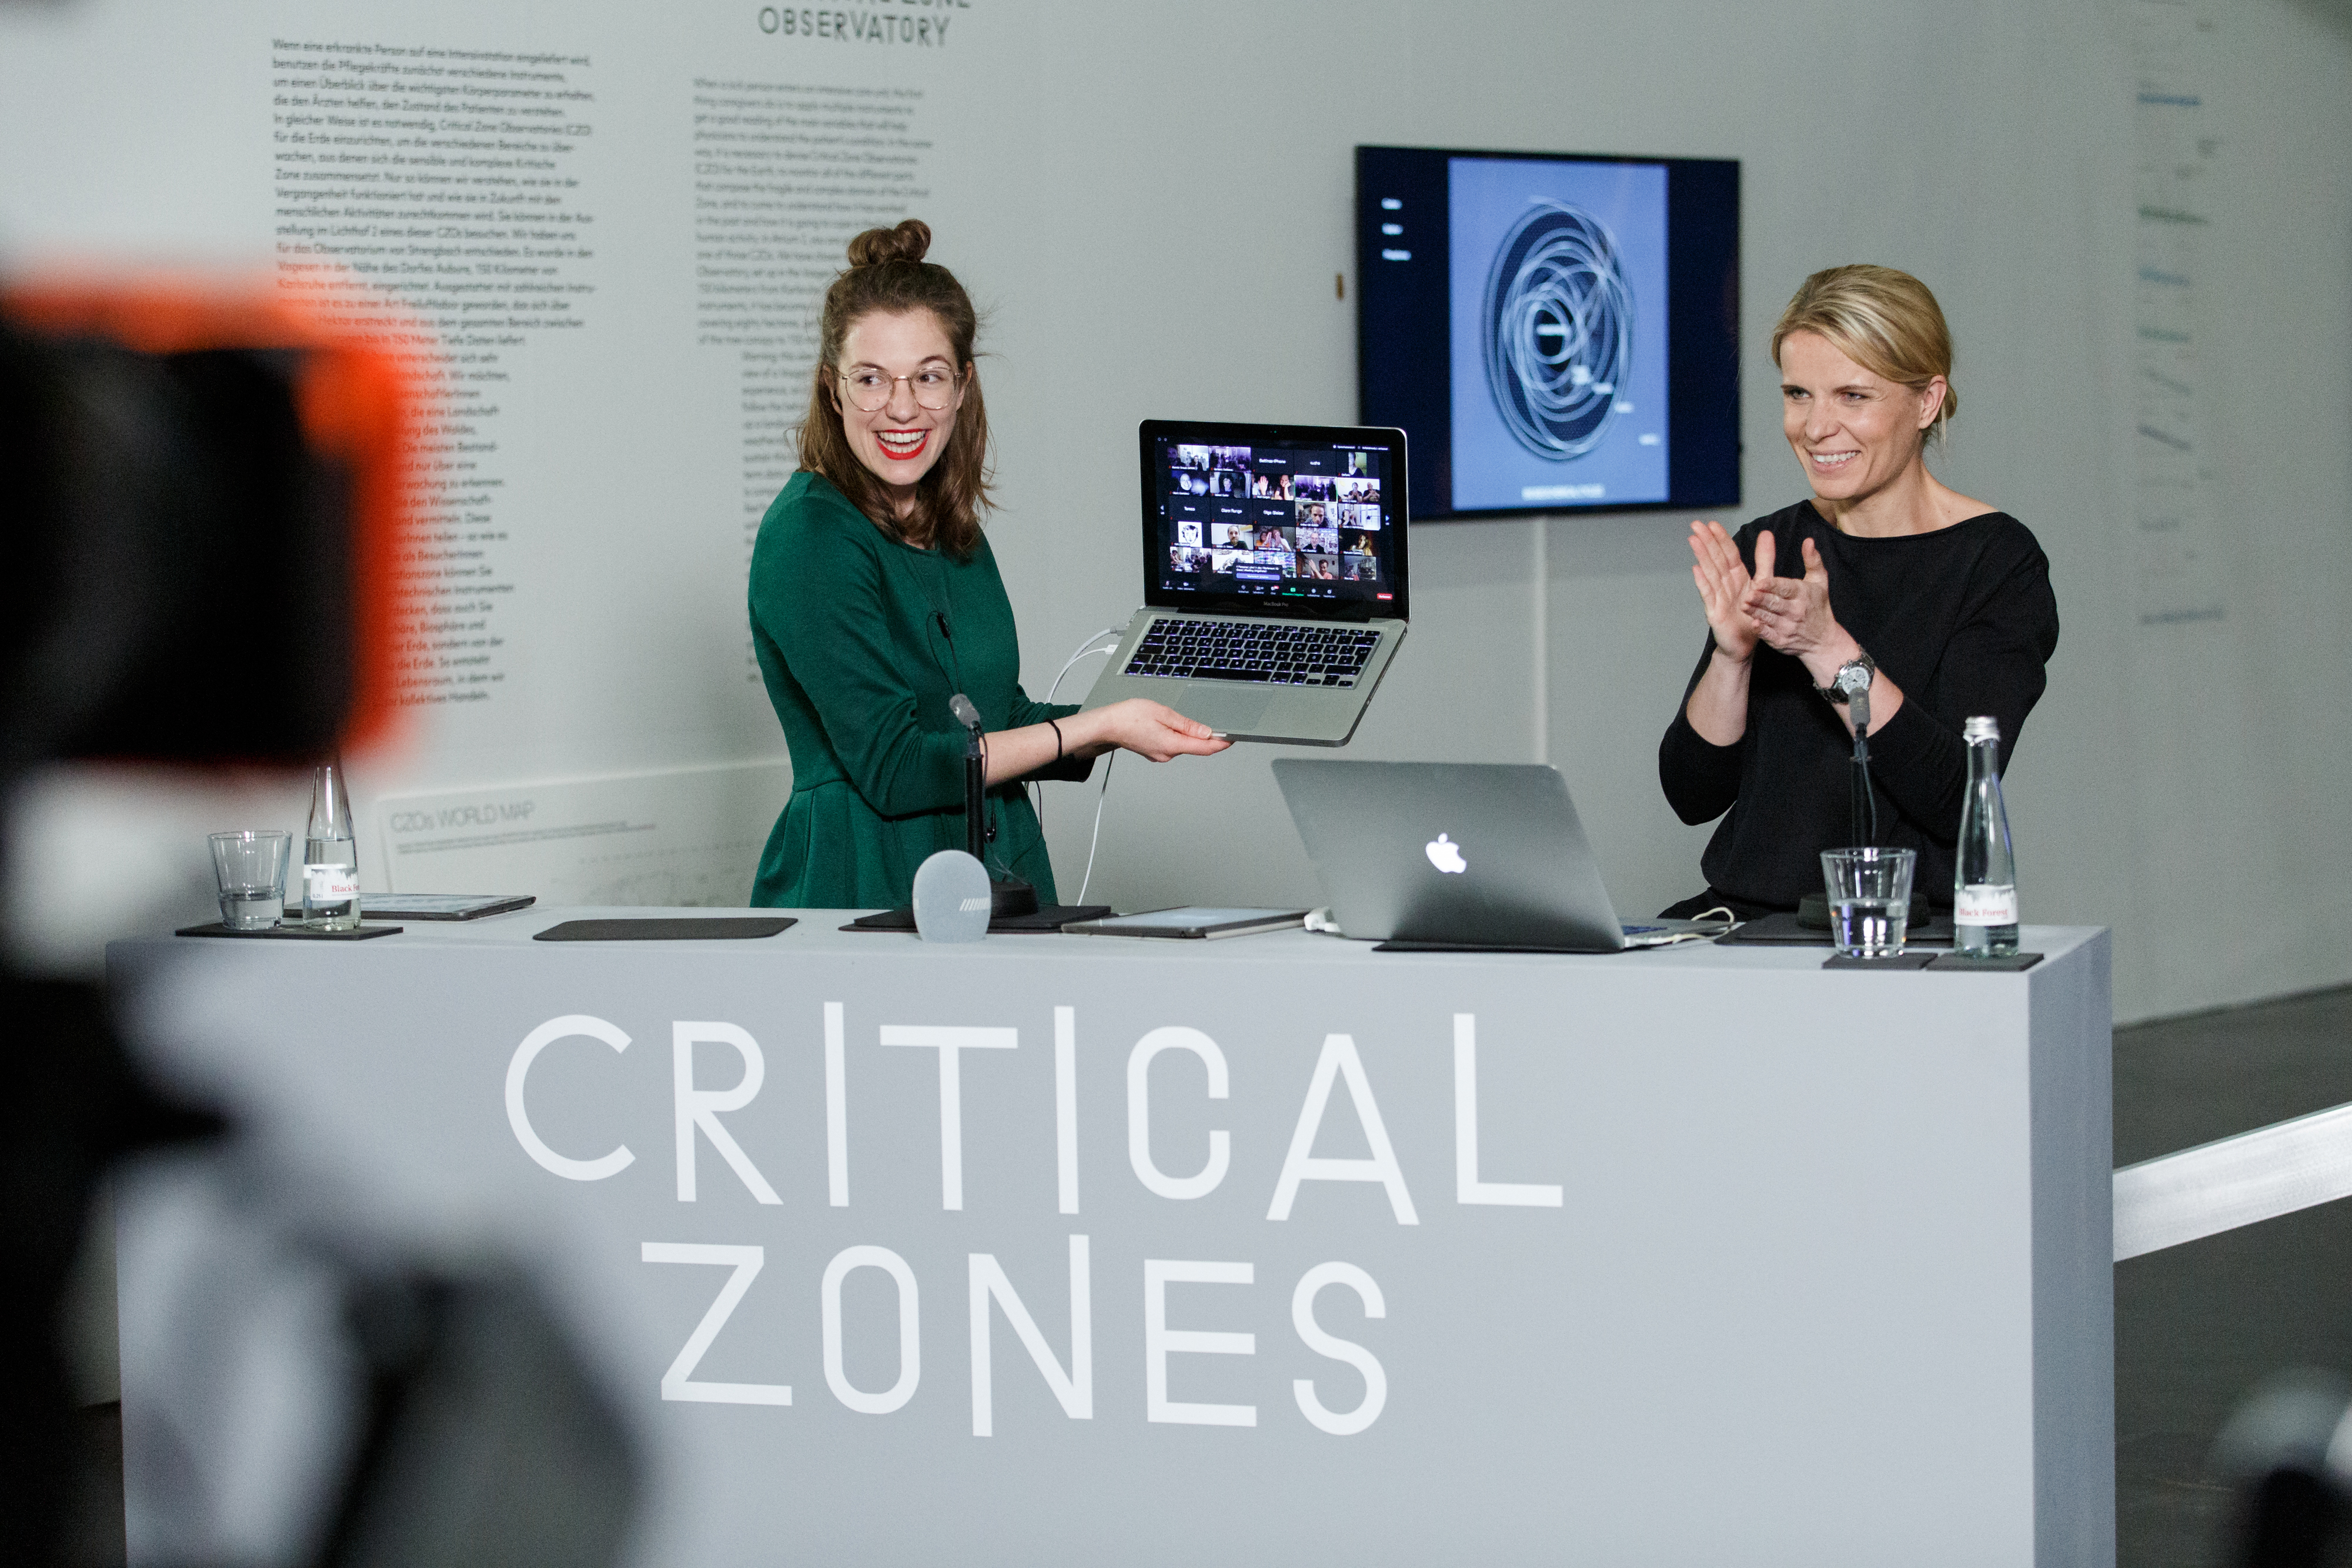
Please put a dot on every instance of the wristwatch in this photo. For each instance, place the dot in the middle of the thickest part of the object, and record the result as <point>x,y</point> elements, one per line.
<point>1851,681</point>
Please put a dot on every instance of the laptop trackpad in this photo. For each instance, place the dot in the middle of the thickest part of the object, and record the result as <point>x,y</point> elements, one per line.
<point>1235,709</point>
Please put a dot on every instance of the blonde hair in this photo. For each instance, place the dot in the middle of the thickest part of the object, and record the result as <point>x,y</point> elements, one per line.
<point>1884,321</point>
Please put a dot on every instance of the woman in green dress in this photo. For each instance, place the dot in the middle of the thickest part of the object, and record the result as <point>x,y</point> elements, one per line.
<point>875,598</point>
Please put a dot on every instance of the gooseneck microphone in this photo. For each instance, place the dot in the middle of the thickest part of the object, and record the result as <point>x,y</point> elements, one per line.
<point>975,776</point>
<point>1865,804</point>
<point>1012,895</point>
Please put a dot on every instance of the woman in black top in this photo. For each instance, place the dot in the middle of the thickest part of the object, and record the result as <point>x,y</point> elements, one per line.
<point>1942,603</point>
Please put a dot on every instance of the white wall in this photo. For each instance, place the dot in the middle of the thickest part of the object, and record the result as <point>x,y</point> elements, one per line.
<point>1154,202</point>
<point>2175,781</point>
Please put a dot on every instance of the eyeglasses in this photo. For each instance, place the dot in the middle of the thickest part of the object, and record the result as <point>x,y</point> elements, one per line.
<point>934,386</point>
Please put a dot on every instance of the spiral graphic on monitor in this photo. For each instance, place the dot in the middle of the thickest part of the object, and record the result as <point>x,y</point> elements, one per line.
<point>1559,330</point>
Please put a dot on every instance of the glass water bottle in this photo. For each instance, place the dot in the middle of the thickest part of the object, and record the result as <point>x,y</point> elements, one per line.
<point>1984,891</point>
<point>330,858</point>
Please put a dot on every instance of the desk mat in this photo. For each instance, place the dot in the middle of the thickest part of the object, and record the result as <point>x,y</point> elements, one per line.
<point>2005,964</point>
<point>689,929</point>
<point>1409,945</point>
<point>1045,921</point>
<point>291,933</point>
<point>1891,961</point>
<point>1783,930</point>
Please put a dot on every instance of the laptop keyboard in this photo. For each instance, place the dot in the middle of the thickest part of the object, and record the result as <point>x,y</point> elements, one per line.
<point>1282,653</point>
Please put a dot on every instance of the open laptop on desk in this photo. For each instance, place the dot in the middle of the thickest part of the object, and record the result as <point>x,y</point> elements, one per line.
<point>1274,584</point>
<point>1460,856</point>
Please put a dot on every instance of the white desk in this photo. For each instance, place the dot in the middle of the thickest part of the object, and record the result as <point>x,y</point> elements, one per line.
<point>1745,1261</point>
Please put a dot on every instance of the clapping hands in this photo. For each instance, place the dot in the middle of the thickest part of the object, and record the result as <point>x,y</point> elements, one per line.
<point>1787,613</point>
<point>1724,584</point>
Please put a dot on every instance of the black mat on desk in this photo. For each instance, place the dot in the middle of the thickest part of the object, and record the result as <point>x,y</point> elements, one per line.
<point>291,933</point>
<point>1891,961</point>
<point>2005,964</point>
<point>1781,930</point>
<point>1045,921</point>
<point>1408,945</point>
<point>689,929</point>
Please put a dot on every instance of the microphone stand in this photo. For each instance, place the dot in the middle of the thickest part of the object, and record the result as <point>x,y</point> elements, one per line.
<point>1009,894</point>
<point>1865,806</point>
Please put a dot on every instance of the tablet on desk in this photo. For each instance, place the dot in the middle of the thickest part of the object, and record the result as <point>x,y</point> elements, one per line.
<point>1192,921</point>
<point>442,905</point>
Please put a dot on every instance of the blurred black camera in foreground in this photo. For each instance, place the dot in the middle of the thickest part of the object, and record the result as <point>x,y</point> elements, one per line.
<point>206,499</point>
<point>2286,1455</point>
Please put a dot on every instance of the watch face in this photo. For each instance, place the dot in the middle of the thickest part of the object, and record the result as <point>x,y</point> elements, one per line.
<point>1852,678</point>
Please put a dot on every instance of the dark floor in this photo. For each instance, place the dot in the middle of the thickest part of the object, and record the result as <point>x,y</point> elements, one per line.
<point>2196,1326</point>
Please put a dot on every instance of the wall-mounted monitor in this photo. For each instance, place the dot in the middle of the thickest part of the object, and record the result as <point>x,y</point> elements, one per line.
<point>1554,331</point>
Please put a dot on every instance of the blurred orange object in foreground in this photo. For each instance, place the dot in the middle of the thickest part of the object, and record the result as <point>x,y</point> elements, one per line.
<point>361,405</point>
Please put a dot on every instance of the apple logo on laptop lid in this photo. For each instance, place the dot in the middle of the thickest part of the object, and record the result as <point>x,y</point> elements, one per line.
<point>1446,855</point>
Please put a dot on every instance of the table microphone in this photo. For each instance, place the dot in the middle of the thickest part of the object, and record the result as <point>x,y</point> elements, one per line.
<point>1865,804</point>
<point>1011,895</point>
<point>965,714</point>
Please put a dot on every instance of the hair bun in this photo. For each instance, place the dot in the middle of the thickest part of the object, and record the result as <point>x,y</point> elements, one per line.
<point>907,242</point>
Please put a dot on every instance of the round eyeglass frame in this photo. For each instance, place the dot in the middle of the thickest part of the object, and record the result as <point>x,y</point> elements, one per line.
<point>955,391</point>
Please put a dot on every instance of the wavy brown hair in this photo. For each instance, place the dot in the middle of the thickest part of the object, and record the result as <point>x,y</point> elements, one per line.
<point>888,273</point>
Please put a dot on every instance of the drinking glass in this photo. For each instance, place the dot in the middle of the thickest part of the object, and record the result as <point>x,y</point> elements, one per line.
<point>1870,898</point>
<point>251,868</point>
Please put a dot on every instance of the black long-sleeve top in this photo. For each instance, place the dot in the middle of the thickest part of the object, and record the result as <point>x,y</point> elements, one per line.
<point>1961,619</point>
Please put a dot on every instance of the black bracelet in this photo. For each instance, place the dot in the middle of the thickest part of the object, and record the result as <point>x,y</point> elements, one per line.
<point>1058,740</point>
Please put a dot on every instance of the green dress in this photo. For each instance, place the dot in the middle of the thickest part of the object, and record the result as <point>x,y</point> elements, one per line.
<point>862,640</point>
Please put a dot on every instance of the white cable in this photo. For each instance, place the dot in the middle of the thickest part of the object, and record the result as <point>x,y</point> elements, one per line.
<point>1037,788</point>
<point>1087,881</point>
<point>1113,633</point>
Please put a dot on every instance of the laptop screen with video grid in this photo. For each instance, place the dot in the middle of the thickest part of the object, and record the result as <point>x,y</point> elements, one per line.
<point>1285,521</point>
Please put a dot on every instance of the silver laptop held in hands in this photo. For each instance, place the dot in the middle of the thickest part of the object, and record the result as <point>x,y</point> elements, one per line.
<point>1473,855</point>
<point>1274,578</point>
